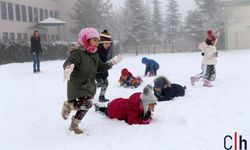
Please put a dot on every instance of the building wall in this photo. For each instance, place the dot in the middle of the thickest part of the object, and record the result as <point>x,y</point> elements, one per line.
<point>59,9</point>
<point>238,30</point>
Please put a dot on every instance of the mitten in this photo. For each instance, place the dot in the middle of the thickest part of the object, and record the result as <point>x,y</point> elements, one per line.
<point>115,60</point>
<point>147,115</point>
<point>67,71</point>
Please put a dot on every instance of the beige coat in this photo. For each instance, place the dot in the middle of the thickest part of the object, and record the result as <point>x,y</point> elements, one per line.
<point>209,57</point>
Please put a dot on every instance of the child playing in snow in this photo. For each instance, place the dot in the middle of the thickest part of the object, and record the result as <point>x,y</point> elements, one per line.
<point>209,60</point>
<point>128,80</point>
<point>80,70</point>
<point>165,91</point>
<point>103,51</point>
<point>137,109</point>
<point>151,66</point>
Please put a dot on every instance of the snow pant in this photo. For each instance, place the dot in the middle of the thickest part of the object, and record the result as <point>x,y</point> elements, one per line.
<point>210,72</point>
<point>103,110</point>
<point>103,83</point>
<point>36,61</point>
<point>82,105</point>
<point>203,72</point>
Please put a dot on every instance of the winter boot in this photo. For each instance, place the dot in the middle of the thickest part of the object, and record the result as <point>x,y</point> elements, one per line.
<point>206,83</point>
<point>102,99</point>
<point>74,126</point>
<point>193,79</point>
<point>67,108</point>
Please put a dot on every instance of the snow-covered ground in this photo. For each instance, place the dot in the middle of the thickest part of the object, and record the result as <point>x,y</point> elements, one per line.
<point>31,105</point>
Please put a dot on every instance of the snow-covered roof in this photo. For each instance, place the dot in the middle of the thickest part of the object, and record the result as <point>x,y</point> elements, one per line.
<point>51,22</point>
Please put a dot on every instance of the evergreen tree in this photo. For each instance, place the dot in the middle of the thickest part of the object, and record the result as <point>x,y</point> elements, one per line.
<point>194,28</point>
<point>94,13</point>
<point>156,24</point>
<point>136,22</point>
<point>173,23</point>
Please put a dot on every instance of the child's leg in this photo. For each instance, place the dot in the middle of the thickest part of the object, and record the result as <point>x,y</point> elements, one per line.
<point>103,91</point>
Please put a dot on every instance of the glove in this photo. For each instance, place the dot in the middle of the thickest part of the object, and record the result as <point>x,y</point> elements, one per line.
<point>115,60</point>
<point>67,71</point>
<point>202,54</point>
<point>148,121</point>
<point>147,115</point>
<point>215,54</point>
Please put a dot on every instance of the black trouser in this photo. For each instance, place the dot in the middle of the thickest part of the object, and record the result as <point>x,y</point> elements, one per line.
<point>103,83</point>
<point>82,105</point>
<point>210,72</point>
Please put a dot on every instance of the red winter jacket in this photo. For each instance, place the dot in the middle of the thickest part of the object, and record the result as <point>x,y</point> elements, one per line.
<point>130,109</point>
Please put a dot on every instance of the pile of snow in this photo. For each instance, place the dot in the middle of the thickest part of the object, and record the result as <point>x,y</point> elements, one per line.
<point>31,106</point>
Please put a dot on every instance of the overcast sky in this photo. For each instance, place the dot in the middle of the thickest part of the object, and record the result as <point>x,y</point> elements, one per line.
<point>184,5</point>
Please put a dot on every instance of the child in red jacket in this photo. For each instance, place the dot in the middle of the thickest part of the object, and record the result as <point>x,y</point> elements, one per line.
<point>128,80</point>
<point>136,109</point>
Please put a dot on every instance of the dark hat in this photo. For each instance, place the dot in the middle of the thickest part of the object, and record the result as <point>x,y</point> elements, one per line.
<point>125,72</point>
<point>144,60</point>
<point>105,36</point>
<point>159,83</point>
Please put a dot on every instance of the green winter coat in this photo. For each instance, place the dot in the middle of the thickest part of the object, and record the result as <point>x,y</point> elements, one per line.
<point>82,79</point>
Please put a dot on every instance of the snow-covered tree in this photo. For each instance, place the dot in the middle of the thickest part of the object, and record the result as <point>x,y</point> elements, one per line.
<point>194,27</point>
<point>157,23</point>
<point>91,13</point>
<point>173,23</point>
<point>136,22</point>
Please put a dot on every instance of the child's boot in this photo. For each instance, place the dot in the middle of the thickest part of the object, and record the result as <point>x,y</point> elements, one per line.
<point>206,83</point>
<point>193,80</point>
<point>74,126</point>
<point>67,108</point>
<point>102,99</point>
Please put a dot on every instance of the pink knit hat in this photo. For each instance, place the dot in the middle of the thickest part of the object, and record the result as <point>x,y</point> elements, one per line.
<point>84,35</point>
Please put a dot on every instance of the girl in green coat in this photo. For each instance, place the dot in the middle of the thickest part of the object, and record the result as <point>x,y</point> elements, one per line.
<point>80,70</point>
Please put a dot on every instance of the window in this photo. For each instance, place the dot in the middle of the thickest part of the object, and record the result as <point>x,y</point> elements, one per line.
<point>19,37</point>
<point>10,11</point>
<point>18,13</point>
<point>56,14</point>
<point>51,13</point>
<point>46,13</point>
<point>3,10</point>
<point>41,14</point>
<point>12,36</point>
<point>25,36</point>
<point>24,13</point>
<point>35,14</point>
<point>30,14</point>
<point>5,36</point>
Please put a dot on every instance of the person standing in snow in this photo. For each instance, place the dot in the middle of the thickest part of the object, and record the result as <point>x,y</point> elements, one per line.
<point>137,109</point>
<point>165,91</point>
<point>151,66</point>
<point>103,51</point>
<point>209,60</point>
<point>80,70</point>
<point>36,49</point>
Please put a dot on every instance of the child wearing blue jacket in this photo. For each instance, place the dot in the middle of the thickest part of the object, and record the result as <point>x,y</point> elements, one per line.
<point>151,66</point>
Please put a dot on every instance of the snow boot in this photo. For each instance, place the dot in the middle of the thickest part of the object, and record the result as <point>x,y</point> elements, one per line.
<point>102,99</point>
<point>193,79</point>
<point>206,83</point>
<point>67,108</point>
<point>74,126</point>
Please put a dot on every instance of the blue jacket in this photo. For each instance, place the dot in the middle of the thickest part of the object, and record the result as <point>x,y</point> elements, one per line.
<point>151,65</point>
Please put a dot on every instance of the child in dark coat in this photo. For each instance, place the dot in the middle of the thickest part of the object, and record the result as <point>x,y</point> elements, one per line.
<point>128,80</point>
<point>165,91</point>
<point>151,66</point>
<point>103,51</point>
<point>136,109</point>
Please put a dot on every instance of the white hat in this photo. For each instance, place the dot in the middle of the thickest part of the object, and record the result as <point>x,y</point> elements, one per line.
<point>147,97</point>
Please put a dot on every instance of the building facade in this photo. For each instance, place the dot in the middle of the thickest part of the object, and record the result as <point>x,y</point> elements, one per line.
<point>237,30</point>
<point>19,19</point>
